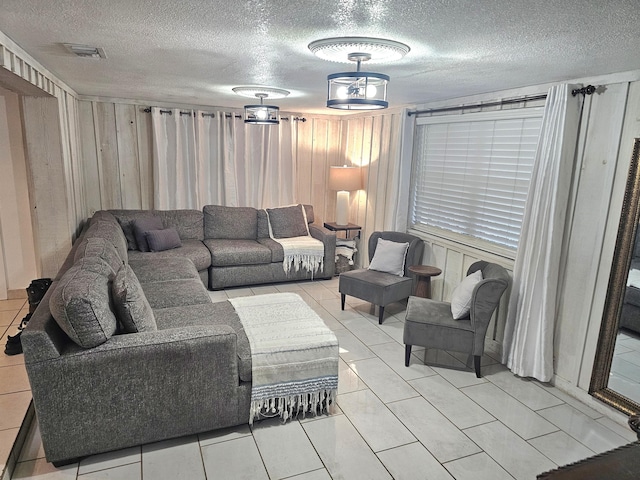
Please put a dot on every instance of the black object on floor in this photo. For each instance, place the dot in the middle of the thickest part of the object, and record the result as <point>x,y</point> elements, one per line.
<point>35,292</point>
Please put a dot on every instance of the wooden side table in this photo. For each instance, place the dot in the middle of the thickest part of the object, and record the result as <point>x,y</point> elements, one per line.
<point>343,228</point>
<point>424,274</point>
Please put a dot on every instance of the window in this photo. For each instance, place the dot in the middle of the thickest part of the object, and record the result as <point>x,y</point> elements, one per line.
<point>472,173</point>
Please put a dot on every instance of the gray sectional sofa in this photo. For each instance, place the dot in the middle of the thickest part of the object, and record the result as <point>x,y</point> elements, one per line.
<point>126,348</point>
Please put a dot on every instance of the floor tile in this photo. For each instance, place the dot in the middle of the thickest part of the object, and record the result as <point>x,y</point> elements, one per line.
<point>7,439</point>
<point>621,429</point>
<point>519,418</point>
<point>40,469</point>
<point>451,402</point>
<point>393,355</point>
<point>13,379</point>
<point>583,428</point>
<point>441,437</point>
<point>110,460</point>
<point>224,434</point>
<point>32,448</point>
<point>315,475</point>
<point>485,360</point>
<point>7,317</point>
<point>574,402</point>
<point>394,329</point>
<point>237,458</point>
<point>272,435</point>
<point>171,459</point>
<point>524,390</point>
<point>262,289</point>
<point>382,380</point>
<point>348,380</point>
<point>343,451</point>
<point>561,448</point>
<point>413,461</point>
<point>288,287</point>
<point>514,454</point>
<point>9,305</point>
<point>351,348</point>
<point>218,296</point>
<point>238,292</point>
<point>9,360</point>
<point>132,471</point>
<point>333,307</point>
<point>477,467</point>
<point>13,407</point>
<point>328,319</point>
<point>374,421</point>
<point>366,332</point>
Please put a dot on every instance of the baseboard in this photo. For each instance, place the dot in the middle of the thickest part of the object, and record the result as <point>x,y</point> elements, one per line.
<point>10,466</point>
<point>16,294</point>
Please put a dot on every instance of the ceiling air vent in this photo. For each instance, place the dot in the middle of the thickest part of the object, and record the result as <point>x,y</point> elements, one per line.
<point>85,51</point>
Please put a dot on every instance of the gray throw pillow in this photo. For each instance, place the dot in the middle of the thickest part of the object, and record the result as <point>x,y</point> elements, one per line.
<point>389,257</point>
<point>80,304</point>
<point>140,228</point>
<point>287,222</point>
<point>160,240</point>
<point>132,307</point>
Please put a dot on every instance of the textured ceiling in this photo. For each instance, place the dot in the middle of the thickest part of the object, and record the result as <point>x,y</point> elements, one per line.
<point>194,52</point>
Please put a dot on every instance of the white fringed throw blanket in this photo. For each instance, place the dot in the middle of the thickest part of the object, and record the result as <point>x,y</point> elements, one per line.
<point>302,252</point>
<point>294,356</point>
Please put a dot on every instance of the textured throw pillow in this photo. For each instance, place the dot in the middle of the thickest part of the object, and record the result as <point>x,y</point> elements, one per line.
<point>80,304</point>
<point>160,240</point>
<point>140,228</point>
<point>287,222</point>
<point>461,296</point>
<point>389,257</point>
<point>132,308</point>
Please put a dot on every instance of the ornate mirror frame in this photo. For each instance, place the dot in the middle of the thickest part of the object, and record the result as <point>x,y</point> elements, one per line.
<point>625,241</point>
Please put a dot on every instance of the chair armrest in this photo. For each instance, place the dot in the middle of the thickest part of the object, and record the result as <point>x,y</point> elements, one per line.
<point>328,238</point>
<point>485,300</point>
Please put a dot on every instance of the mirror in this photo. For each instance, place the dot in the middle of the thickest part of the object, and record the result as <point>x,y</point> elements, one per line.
<point>616,372</point>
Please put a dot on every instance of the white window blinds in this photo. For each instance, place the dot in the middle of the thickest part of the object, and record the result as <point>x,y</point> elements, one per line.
<point>472,173</point>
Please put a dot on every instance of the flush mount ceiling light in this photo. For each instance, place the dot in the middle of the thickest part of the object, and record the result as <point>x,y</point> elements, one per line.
<point>358,90</point>
<point>261,114</point>
<point>85,51</point>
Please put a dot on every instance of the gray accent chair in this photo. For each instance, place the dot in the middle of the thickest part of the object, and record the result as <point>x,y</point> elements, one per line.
<point>380,288</point>
<point>430,324</point>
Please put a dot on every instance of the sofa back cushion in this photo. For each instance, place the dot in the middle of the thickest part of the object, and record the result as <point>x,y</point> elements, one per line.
<point>110,232</point>
<point>239,223</point>
<point>131,305</point>
<point>188,223</point>
<point>80,304</point>
<point>97,247</point>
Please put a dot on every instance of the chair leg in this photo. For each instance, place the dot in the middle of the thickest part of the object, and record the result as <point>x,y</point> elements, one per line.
<point>380,314</point>
<point>407,355</point>
<point>476,363</point>
<point>342,297</point>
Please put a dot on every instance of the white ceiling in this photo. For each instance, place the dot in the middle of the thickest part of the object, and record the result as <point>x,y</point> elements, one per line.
<point>195,51</point>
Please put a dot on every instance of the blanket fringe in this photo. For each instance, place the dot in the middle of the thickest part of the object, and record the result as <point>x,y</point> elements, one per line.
<point>291,406</point>
<point>311,263</point>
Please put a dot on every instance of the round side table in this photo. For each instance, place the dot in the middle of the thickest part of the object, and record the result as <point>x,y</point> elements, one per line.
<point>424,274</point>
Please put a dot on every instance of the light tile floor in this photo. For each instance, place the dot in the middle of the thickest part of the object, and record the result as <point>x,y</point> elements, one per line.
<point>391,421</point>
<point>624,377</point>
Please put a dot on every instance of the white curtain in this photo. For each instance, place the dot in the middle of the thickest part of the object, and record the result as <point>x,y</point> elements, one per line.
<point>528,338</point>
<point>215,158</point>
<point>174,159</point>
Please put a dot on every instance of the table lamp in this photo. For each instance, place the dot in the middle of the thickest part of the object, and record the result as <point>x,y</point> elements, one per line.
<point>344,179</point>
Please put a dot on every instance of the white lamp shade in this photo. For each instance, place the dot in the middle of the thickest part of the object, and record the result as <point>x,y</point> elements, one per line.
<point>345,178</point>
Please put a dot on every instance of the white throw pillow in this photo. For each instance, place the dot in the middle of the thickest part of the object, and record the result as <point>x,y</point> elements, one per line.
<point>461,297</point>
<point>389,257</point>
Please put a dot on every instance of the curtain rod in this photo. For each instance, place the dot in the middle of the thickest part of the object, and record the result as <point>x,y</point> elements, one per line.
<point>213,115</point>
<point>478,105</point>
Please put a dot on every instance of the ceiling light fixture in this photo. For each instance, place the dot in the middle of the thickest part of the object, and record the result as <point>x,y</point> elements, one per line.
<point>358,90</point>
<point>261,114</point>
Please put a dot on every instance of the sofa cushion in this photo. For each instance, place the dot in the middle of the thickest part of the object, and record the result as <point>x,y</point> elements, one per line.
<point>126,218</point>
<point>237,252</point>
<point>104,216</point>
<point>175,293</point>
<point>287,222</point>
<point>80,304</point>
<point>141,226</point>
<point>230,222</point>
<point>194,250</point>
<point>277,252</point>
<point>188,223</point>
<point>111,232</point>
<point>221,313</point>
<point>131,305</point>
<point>161,240</point>
<point>169,268</point>
<point>93,247</point>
